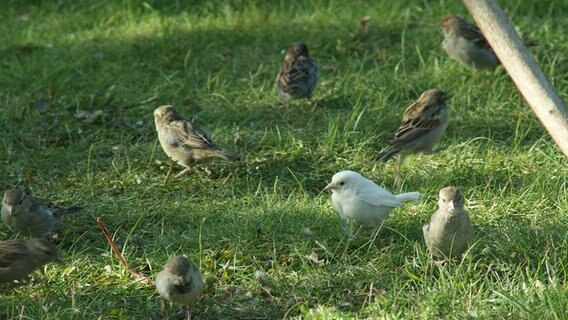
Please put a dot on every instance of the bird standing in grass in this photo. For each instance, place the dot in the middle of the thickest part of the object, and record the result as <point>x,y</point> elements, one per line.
<point>180,281</point>
<point>184,142</point>
<point>450,229</point>
<point>362,201</point>
<point>423,123</point>
<point>466,44</point>
<point>30,216</point>
<point>19,258</point>
<point>298,74</point>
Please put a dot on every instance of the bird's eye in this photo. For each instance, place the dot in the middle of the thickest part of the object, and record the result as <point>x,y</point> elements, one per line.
<point>342,183</point>
<point>443,200</point>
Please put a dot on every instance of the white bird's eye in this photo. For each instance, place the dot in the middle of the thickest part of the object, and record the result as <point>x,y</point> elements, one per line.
<point>342,183</point>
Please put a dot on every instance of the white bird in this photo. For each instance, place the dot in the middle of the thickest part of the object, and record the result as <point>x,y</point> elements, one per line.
<point>362,201</point>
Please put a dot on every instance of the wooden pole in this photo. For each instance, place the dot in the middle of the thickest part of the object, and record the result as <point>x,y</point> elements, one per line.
<point>522,68</point>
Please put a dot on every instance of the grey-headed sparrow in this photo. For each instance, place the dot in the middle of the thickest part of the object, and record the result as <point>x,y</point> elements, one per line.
<point>466,44</point>
<point>423,123</point>
<point>184,142</point>
<point>30,216</point>
<point>360,200</point>
<point>298,74</point>
<point>19,258</point>
<point>450,228</point>
<point>180,281</point>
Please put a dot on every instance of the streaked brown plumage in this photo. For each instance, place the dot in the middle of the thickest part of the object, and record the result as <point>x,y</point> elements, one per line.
<point>30,216</point>
<point>423,123</point>
<point>184,142</point>
<point>466,44</point>
<point>19,258</point>
<point>298,74</point>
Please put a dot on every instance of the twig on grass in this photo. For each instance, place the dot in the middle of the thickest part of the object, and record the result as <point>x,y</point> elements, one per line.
<point>108,237</point>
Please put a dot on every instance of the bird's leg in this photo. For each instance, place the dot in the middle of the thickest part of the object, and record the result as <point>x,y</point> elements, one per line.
<point>187,313</point>
<point>375,232</point>
<point>164,307</point>
<point>43,278</point>
<point>359,228</point>
<point>397,177</point>
<point>181,173</point>
<point>169,171</point>
<point>313,104</point>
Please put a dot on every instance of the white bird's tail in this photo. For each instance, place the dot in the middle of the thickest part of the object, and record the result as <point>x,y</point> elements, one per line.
<point>409,196</point>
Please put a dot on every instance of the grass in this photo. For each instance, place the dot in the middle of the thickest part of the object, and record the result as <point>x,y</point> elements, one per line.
<point>115,61</point>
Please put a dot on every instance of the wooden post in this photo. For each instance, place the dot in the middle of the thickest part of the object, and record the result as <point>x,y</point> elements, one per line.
<point>522,68</point>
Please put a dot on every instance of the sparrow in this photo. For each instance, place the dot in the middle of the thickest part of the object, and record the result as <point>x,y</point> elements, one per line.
<point>466,44</point>
<point>180,281</point>
<point>184,142</point>
<point>298,74</point>
<point>19,258</point>
<point>450,228</point>
<point>423,123</point>
<point>30,216</point>
<point>360,200</point>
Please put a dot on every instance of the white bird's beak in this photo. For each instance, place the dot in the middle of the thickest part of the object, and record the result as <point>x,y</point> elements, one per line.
<point>331,186</point>
<point>452,205</point>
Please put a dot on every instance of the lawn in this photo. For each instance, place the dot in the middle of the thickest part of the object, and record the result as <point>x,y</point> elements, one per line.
<point>79,81</point>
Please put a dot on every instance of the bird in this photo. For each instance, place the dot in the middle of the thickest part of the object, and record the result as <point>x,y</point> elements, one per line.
<point>450,229</point>
<point>466,44</point>
<point>30,216</point>
<point>180,281</point>
<point>360,200</point>
<point>298,74</point>
<point>19,258</point>
<point>423,123</point>
<point>184,142</point>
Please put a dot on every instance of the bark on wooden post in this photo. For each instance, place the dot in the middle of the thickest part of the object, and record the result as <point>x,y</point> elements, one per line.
<point>522,68</point>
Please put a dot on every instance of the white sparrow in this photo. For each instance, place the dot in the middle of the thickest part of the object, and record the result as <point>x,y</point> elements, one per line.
<point>358,199</point>
<point>466,44</point>
<point>180,281</point>
<point>184,142</point>
<point>298,74</point>
<point>423,123</point>
<point>450,228</point>
<point>30,216</point>
<point>19,258</point>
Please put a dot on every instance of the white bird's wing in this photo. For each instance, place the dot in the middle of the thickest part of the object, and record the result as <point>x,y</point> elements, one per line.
<point>374,195</point>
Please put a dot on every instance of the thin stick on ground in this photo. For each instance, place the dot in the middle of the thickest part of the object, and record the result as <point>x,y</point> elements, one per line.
<point>108,237</point>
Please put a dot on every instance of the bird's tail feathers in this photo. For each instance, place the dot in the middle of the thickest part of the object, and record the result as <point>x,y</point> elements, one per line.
<point>409,196</point>
<point>227,155</point>
<point>387,154</point>
<point>64,211</point>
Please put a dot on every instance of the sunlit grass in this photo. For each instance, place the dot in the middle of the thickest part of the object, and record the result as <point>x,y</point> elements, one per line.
<point>245,224</point>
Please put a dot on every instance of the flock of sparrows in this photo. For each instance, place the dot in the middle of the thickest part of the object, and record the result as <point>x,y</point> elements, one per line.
<point>356,199</point>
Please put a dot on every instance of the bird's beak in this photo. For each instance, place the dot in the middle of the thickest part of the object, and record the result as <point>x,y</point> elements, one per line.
<point>10,210</point>
<point>331,186</point>
<point>452,205</point>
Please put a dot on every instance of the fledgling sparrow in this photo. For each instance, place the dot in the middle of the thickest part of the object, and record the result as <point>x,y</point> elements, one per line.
<point>423,123</point>
<point>358,199</point>
<point>298,74</point>
<point>30,216</point>
<point>184,142</point>
<point>19,258</point>
<point>450,228</point>
<point>180,281</point>
<point>466,44</point>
